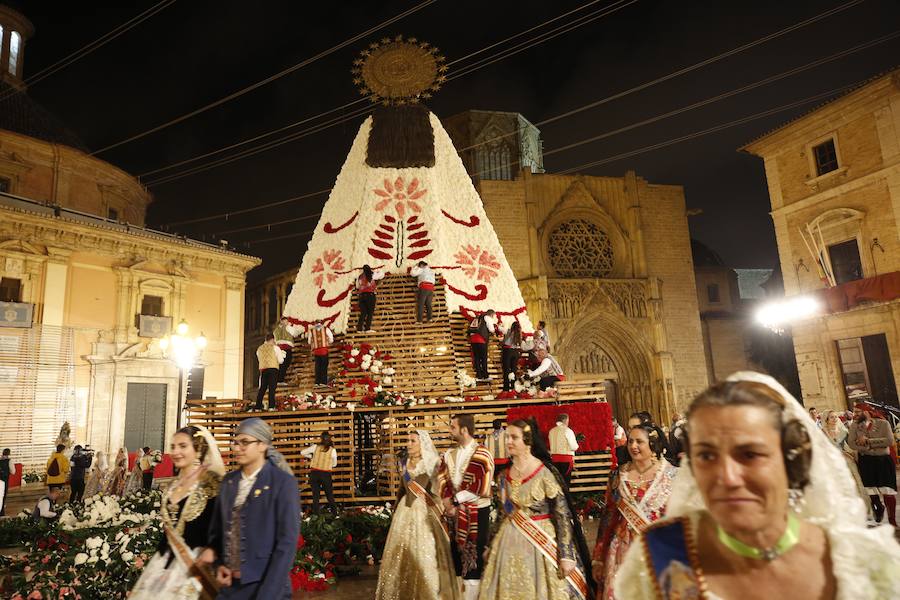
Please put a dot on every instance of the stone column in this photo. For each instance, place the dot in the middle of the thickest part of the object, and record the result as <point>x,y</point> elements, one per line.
<point>50,370</point>
<point>234,337</point>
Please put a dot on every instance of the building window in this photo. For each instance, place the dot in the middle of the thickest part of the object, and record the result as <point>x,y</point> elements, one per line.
<point>10,290</point>
<point>578,248</point>
<point>825,156</point>
<point>152,306</point>
<point>712,292</point>
<point>112,214</point>
<point>5,185</point>
<point>15,41</point>
<point>845,263</point>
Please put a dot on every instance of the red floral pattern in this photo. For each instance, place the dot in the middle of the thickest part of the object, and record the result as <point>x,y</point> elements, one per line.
<point>402,195</point>
<point>327,267</point>
<point>477,263</point>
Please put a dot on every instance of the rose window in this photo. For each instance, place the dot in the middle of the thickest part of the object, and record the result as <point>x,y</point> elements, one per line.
<point>578,248</point>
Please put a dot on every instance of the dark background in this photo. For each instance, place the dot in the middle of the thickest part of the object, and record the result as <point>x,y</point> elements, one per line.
<point>195,52</point>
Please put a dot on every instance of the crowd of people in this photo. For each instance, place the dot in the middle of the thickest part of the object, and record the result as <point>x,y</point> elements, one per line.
<point>747,491</point>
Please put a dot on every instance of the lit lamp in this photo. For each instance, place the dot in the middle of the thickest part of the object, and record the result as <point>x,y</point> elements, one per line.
<point>183,350</point>
<point>778,315</point>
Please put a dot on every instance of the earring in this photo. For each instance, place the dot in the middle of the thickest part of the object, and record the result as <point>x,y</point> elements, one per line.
<point>796,499</point>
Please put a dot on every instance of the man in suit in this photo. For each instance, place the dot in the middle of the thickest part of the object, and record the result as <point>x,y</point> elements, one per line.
<point>256,520</point>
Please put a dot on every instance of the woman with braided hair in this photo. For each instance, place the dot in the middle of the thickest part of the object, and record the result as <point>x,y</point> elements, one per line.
<point>186,510</point>
<point>635,497</point>
<point>764,507</point>
<point>539,551</point>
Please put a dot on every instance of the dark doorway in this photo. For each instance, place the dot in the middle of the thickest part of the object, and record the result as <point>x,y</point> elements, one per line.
<point>145,416</point>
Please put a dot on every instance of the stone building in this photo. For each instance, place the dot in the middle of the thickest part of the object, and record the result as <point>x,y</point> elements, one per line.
<point>834,186</point>
<point>86,291</point>
<point>726,298</point>
<point>605,261</point>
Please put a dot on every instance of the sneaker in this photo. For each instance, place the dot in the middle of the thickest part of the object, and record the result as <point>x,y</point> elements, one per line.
<point>370,331</point>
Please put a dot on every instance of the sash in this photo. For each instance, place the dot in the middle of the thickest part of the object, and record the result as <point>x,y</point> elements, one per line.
<point>632,513</point>
<point>419,492</point>
<point>548,548</point>
<point>204,577</point>
<point>667,549</point>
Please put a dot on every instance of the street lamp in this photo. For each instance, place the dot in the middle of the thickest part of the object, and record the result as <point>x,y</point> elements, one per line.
<point>183,350</point>
<point>780,314</point>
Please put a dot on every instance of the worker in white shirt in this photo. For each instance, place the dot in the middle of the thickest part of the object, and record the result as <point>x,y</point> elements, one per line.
<point>548,370</point>
<point>322,459</point>
<point>563,446</point>
<point>425,290</point>
<point>43,510</point>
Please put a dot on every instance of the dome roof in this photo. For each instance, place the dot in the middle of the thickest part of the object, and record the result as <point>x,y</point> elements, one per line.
<point>20,114</point>
<point>704,256</point>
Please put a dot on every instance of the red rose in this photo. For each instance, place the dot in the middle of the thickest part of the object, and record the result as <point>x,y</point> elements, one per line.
<point>300,542</point>
<point>349,539</point>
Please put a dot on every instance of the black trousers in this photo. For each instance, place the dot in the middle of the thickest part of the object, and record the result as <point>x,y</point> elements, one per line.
<point>424,300</point>
<point>321,369</point>
<point>510,360</point>
<point>282,370</point>
<point>548,381</point>
<point>148,480</point>
<point>77,494</point>
<point>268,379</point>
<point>480,360</point>
<point>469,568</point>
<point>321,480</point>
<point>5,479</point>
<point>366,311</point>
<point>565,469</point>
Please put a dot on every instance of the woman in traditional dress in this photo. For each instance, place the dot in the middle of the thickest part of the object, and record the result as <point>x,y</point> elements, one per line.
<point>186,510</point>
<point>837,433</point>
<point>135,480</point>
<point>416,562</point>
<point>116,482</point>
<point>635,497</point>
<point>96,481</point>
<point>764,508</point>
<point>539,551</point>
<point>366,285</point>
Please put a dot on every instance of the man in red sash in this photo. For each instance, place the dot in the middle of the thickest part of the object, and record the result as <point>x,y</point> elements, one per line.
<point>465,477</point>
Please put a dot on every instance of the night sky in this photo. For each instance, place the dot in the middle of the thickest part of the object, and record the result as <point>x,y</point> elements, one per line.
<point>192,53</point>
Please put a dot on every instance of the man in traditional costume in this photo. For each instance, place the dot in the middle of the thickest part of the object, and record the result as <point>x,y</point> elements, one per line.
<point>424,290</point>
<point>270,358</point>
<point>465,480</point>
<point>320,338</point>
<point>548,371</point>
<point>256,520</point>
<point>562,447</point>
<point>284,338</point>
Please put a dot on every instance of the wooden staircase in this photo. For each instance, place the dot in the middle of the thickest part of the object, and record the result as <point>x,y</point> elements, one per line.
<point>426,359</point>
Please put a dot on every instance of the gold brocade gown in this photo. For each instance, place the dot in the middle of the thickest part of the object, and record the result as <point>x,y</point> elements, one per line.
<point>515,569</point>
<point>416,564</point>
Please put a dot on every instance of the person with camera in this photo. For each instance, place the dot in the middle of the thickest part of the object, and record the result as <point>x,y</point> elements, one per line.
<point>81,462</point>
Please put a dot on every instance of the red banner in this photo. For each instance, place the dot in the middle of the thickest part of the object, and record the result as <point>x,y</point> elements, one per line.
<point>593,419</point>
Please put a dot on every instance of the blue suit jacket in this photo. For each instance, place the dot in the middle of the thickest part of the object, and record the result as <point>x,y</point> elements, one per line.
<point>270,526</point>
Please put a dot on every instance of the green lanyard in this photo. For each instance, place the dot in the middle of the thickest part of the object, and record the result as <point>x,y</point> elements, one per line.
<point>788,540</point>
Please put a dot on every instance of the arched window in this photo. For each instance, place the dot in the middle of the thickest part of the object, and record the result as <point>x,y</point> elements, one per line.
<point>579,248</point>
<point>15,41</point>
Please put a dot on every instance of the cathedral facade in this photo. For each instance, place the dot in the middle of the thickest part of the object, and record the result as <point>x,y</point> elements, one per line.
<point>604,261</point>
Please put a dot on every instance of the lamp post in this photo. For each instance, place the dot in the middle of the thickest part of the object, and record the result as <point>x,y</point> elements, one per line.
<point>183,350</point>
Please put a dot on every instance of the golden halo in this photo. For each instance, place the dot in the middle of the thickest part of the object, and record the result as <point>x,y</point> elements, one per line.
<point>399,71</point>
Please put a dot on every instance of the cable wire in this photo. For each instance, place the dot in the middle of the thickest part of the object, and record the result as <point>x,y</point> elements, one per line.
<point>623,93</point>
<point>89,48</point>
<point>269,79</point>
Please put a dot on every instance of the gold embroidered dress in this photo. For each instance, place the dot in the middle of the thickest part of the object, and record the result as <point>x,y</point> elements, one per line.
<point>416,563</point>
<point>516,569</point>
